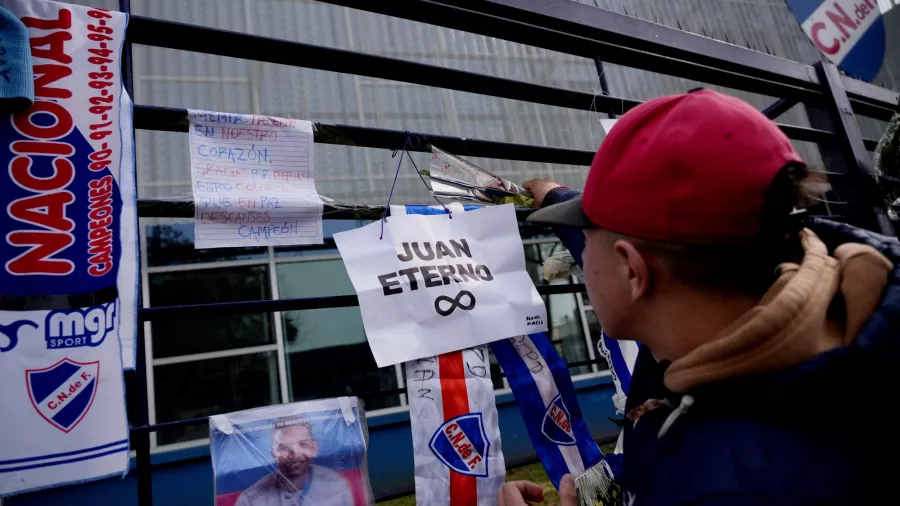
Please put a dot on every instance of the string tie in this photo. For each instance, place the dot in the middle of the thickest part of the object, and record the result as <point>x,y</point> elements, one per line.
<point>412,141</point>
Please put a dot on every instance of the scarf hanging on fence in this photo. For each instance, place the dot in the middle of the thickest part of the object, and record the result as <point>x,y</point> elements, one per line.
<point>68,263</point>
<point>456,436</point>
<point>453,416</point>
<point>540,381</point>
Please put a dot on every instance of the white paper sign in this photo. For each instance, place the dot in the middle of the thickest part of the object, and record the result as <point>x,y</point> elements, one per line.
<point>436,284</point>
<point>254,181</point>
<point>608,124</point>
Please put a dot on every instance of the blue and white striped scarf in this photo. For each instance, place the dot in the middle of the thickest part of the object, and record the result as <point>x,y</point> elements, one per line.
<point>540,381</point>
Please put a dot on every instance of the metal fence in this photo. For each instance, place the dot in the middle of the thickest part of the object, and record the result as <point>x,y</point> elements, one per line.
<point>830,99</point>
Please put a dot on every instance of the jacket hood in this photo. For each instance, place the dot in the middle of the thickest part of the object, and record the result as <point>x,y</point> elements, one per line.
<point>816,307</point>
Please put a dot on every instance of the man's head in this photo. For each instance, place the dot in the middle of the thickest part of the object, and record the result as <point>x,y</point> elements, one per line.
<point>688,195</point>
<point>293,447</point>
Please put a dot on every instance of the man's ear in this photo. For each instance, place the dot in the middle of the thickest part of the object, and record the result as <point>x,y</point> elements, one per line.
<point>635,267</point>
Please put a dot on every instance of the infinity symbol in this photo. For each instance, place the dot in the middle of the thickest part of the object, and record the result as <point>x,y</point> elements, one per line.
<point>454,303</point>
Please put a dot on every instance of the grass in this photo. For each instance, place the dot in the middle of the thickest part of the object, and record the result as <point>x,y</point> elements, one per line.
<point>534,472</point>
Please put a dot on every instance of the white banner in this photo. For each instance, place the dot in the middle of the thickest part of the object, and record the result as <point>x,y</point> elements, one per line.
<point>837,26</point>
<point>436,284</point>
<point>68,254</point>
<point>455,429</point>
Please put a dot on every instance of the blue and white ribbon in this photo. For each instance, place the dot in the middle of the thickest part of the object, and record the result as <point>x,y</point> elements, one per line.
<point>621,356</point>
<point>540,382</point>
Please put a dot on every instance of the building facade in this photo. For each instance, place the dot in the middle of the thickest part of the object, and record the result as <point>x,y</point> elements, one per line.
<point>205,366</point>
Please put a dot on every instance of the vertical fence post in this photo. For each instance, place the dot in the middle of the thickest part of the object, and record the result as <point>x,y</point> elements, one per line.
<point>858,161</point>
<point>140,440</point>
<point>604,86</point>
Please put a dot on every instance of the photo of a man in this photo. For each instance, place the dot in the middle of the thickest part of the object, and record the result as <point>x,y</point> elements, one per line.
<point>299,454</point>
<point>297,482</point>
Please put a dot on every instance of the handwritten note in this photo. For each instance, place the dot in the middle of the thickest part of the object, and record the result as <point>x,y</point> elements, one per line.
<point>254,181</point>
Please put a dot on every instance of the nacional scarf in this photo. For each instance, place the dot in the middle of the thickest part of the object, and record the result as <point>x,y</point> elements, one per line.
<point>456,436</point>
<point>68,257</point>
<point>453,416</point>
<point>540,382</point>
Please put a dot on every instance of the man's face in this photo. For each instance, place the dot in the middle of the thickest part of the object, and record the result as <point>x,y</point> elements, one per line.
<point>293,448</point>
<point>606,277</point>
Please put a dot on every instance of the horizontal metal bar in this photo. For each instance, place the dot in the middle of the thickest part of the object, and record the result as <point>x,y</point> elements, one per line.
<point>169,425</point>
<point>199,266</point>
<point>870,100</point>
<point>307,258</point>
<point>807,134</point>
<point>284,255</point>
<point>272,306</point>
<point>173,35</point>
<point>185,209</point>
<point>175,120</point>
<point>212,355</point>
<point>377,393</point>
<point>601,24</point>
<point>582,30</point>
<point>778,108</point>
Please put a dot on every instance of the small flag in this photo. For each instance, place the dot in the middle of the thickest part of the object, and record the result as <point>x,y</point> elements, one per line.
<point>456,436</point>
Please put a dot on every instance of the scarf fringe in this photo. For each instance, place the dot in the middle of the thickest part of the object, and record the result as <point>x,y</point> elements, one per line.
<point>594,483</point>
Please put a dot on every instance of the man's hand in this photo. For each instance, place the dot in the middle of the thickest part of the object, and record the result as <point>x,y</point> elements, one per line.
<point>540,188</point>
<point>568,494</point>
<point>516,493</point>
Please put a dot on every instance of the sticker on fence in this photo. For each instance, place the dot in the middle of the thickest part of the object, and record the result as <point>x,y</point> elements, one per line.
<point>850,33</point>
<point>68,243</point>
<point>254,181</point>
<point>434,284</point>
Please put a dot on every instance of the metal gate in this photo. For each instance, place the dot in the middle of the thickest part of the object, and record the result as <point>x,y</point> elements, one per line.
<point>832,102</point>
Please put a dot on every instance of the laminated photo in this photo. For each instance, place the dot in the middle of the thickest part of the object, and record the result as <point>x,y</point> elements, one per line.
<point>305,453</point>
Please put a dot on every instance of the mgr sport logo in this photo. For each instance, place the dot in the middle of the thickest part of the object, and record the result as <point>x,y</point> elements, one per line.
<point>76,328</point>
<point>63,392</point>
<point>67,328</point>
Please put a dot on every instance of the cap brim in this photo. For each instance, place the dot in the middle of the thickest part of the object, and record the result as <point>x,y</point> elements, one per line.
<point>566,214</point>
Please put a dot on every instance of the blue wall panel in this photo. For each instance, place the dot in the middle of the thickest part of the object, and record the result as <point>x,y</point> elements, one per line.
<point>184,478</point>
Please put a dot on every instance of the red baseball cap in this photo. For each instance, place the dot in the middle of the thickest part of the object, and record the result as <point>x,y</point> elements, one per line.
<point>690,168</point>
